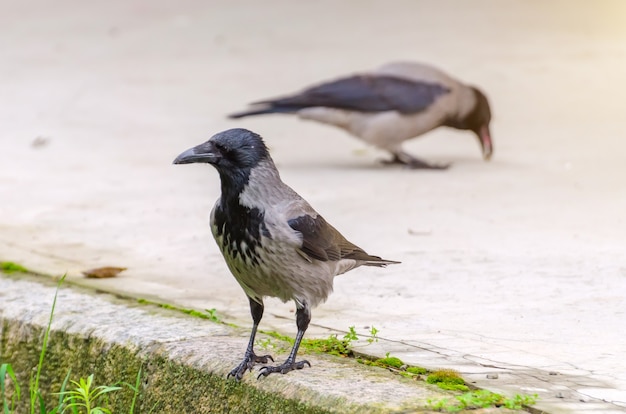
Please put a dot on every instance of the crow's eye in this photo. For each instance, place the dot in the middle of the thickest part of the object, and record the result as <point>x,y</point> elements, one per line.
<point>220,147</point>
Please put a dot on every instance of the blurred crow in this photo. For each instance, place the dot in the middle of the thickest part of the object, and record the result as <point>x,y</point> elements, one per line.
<point>273,242</point>
<point>390,105</point>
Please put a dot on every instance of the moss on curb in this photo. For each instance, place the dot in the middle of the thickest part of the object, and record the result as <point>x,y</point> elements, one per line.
<point>447,379</point>
<point>11,267</point>
<point>166,386</point>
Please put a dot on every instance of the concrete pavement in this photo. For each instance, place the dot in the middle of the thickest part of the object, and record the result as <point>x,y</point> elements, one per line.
<point>514,268</point>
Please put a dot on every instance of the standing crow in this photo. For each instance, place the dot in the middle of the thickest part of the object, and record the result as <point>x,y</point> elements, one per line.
<point>273,242</point>
<point>390,105</point>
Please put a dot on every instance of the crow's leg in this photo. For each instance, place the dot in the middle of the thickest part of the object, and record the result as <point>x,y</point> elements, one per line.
<point>250,358</point>
<point>413,163</point>
<point>303,317</point>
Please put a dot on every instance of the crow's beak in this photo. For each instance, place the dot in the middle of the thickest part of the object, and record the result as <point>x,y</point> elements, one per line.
<point>484,136</point>
<point>206,153</point>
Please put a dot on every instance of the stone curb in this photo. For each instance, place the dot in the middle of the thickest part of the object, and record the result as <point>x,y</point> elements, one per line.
<point>184,360</point>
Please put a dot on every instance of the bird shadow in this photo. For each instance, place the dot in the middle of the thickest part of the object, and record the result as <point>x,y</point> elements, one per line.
<point>378,164</point>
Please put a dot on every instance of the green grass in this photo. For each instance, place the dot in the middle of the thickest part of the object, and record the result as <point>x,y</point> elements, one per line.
<point>84,398</point>
<point>389,361</point>
<point>10,267</point>
<point>416,370</point>
<point>473,400</point>
<point>396,365</point>
<point>210,314</point>
<point>35,392</point>
<point>333,345</point>
<point>7,371</point>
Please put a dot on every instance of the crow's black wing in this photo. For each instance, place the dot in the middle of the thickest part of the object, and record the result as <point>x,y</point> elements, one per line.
<point>323,242</point>
<point>365,93</point>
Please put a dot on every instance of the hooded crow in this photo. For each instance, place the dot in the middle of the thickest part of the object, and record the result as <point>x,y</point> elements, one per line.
<point>390,105</point>
<point>273,242</point>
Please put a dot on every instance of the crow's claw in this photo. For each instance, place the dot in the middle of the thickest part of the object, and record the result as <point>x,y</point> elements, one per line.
<point>247,364</point>
<point>283,369</point>
<point>415,164</point>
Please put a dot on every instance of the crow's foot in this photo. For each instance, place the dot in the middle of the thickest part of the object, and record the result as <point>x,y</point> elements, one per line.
<point>414,163</point>
<point>283,369</point>
<point>247,364</point>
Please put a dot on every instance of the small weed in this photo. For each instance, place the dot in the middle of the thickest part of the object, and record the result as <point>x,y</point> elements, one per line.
<point>481,399</point>
<point>373,335</point>
<point>351,335</point>
<point>212,315</point>
<point>85,396</point>
<point>519,401</point>
<point>10,267</point>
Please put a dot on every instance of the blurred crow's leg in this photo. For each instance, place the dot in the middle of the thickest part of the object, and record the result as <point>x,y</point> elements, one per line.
<point>250,358</point>
<point>303,317</point>
<point>413,163</point>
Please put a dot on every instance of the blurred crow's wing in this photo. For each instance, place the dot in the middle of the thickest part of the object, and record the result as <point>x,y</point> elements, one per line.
<point>365,93</point>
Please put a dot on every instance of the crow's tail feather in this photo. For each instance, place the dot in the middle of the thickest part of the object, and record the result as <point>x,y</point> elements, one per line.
<point>264,110</point>
<point>380,262</point>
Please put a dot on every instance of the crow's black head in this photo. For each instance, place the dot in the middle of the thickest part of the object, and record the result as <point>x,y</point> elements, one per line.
<point>234,153</point>
<point>478,122</point>
<point>229,151</point>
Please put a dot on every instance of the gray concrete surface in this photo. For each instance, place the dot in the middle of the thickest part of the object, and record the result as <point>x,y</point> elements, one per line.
<point>514,267</point>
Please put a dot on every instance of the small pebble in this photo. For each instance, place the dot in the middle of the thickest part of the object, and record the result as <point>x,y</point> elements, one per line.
<point>40,141</point>
<point>492,376</point>
<point>559,395</point>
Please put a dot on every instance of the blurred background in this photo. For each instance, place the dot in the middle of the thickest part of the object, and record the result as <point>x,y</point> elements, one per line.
<point>513,261</point>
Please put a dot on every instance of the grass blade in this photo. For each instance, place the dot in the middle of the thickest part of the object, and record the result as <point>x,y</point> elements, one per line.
<point>59,407</point>
<point>135,392</point>
<point>42,404</point>
<point>7,369</point>
<point>35,391</point>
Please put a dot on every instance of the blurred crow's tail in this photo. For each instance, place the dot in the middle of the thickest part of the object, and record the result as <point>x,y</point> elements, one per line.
<point>264,110</point>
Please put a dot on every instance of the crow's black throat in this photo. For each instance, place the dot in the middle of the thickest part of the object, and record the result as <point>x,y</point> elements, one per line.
<point>240,226</point>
